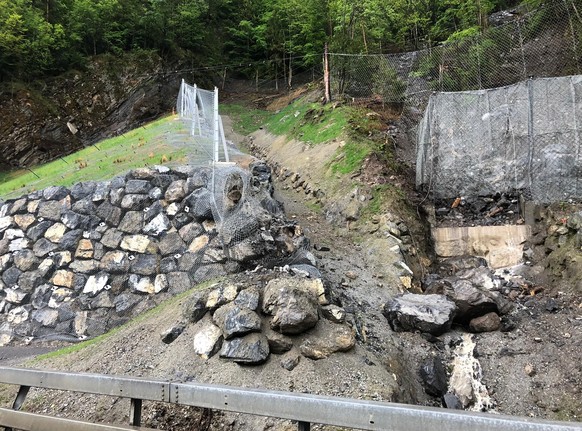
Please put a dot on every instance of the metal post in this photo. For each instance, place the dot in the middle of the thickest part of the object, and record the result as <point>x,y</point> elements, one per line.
<point>303,426</point>
<point>135,412</point>
<point>182,93</point>
<point>216,124</point>
<point>223,139</point>
<point>19,400</point>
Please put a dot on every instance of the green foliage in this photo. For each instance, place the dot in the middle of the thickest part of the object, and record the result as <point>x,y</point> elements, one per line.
<point>276,37</point>
<point>387,84</point>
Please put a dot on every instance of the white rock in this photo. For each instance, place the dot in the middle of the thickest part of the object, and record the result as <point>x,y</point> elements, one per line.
<point>159,224</point>
<point>137,243</point>
<point>13,234</point>
<point>198,243</point>
<point>14,296</point>
<point>160,283</point>
<point>17,315</point>
<point>141,284</point>
<point>207,340</point>
<point>19,244</point>
<point>172,209</point>
<point>5,223</point>
<point>96,283</point>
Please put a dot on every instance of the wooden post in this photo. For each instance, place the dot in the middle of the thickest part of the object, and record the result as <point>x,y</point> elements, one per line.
<point>327,97</point>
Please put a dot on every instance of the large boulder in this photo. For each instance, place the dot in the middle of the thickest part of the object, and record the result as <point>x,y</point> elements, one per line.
<point>294,310</point>
<point>251,349</point>
<point>236,321</point>
<point>427,313</point>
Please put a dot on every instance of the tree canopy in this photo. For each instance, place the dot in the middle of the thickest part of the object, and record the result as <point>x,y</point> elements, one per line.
<point>43,37</point>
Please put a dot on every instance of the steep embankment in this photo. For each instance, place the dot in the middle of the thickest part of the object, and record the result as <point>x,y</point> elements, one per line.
<point>112,95</point>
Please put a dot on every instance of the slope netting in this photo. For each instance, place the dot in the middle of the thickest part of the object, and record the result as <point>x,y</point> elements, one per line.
<point>524,137</point>
<point>495,120</point>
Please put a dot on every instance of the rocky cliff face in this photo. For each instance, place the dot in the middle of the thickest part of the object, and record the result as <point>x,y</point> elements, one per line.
<point>79,108</point>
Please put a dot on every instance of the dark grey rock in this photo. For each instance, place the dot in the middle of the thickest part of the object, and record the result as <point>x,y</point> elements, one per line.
<point>55,193</point>
<point>135,202</point>
<point>157,225</point>
<point>235,321</point>
<point>434,377</point>
<point>90,266</point>
<point>116,196</point>
<point>115,262</point>
<point>72,220</point>
<point>473,302</point>
<point>46,317</point>
<point>82,190</point>
<point>427,313</point>
<point>41,296</point>
<point>101,191</point>
<point>25,260</point>
<point>278,343</point>
<point>170,335</point>
<point>249,350</point>
<point>181,219</point>
<point>152,211</point>
<point>112,238</point>
<point>145,264</point>
<point>37,231</point>
<point>109,214</point>
<point>137,187</point>
<point>199,203</point>
<point>188,262</point>
<point>162,181</point>
<point>66,312</point>
<point>248,298</point>
<point>290,361</point>
<point>168,264</point>
<point>294,311</point>
<point>132,222</point>
<point>195,308</point>
<point>178,282</point>
<point>10,276</point>
<point>50,210</point>
<point>29,281</point>
<point>198,179</point>
<point>305,271</point>
<point>70,240</point>
<point>125,302</point>
<point>191,231</point>
<point>451,401</point>
<point>171,243</point>
<point>84,206</point>
<point>206,272</point>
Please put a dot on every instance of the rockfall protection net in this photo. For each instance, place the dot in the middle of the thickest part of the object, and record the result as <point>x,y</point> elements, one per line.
<point>525,137</point>
<point>199,108</point>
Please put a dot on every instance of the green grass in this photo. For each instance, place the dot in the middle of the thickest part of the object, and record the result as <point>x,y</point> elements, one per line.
<point>159,143</point>
<point>311,123</point>
<point>135,321</point>
<point>352,155</point>
<point>245,119</point>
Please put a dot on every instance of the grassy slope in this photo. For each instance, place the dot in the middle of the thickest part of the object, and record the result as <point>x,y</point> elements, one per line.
<point>161,142</point>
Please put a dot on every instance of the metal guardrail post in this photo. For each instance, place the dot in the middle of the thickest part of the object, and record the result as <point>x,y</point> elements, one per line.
<point>135,412</point>
<point>303,426</point>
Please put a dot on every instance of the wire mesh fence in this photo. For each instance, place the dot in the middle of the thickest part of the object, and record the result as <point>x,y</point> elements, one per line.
<point>480,134</point>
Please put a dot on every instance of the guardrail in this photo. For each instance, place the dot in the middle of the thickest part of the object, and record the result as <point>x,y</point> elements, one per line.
<point>303,408</point>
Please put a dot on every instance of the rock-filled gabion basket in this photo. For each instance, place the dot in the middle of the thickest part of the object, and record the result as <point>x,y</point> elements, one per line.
<point>76,262</point>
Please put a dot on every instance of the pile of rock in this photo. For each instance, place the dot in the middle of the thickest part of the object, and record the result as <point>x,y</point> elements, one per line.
<point>77,262</point>
<point>469,296</point>
<point>278,313</point>
<point>494,210</point>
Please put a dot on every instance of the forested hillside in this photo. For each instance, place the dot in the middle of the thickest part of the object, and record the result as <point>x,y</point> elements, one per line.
<point>46,37</point>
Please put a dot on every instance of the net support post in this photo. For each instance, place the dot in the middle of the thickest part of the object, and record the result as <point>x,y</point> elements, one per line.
<point>216,124</point>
